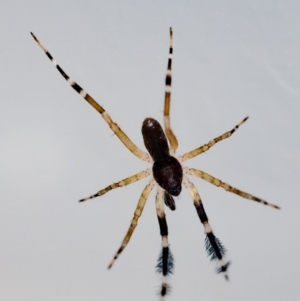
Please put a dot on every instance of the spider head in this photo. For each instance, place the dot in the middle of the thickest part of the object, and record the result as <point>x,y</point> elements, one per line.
<point>168,174</point>
<point>175,190</point>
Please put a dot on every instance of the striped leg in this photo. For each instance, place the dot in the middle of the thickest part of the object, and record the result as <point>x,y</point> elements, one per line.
<point>139,176</point>
<point>197,151</point>
<point>205,176</point>
<point>137,213</point>
<point>171,136</point>
<point>214,247</point>
<point>114,127</point>
<point>165,262</point>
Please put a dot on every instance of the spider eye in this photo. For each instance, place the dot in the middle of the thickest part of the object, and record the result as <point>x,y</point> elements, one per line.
<point>175,191</point>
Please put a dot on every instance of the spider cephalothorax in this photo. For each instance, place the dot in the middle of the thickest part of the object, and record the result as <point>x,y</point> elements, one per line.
<point>168,172</point>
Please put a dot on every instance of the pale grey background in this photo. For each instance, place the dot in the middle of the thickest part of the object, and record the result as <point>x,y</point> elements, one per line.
<point>231,59</point>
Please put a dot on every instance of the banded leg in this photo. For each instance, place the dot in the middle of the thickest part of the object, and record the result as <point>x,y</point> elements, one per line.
<point>137,213</point>
<point>205,176</point>
<point>171,136</point>
<point>139,176</point>
<point>199,150</point>
<point>114,127</point>
<point>214,248</point>
<point>165,262</point>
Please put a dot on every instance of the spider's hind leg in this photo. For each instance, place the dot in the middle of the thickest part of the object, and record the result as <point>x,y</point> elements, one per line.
<point>114,127</point>
<point>214,247</point>
<point>171,136</point>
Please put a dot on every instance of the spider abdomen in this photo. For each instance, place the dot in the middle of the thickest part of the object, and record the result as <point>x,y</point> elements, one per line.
<point>168,174</point>
<point>155,139</point>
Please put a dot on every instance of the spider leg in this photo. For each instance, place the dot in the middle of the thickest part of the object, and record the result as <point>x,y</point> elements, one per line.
<point>171,136</point>
<point>205,176</point>
<point>165,262</point>
<point>134,178</point>
<point>114,127</point>
<point>199,150</point>
<point>137,213</point>
<point>214,248</point>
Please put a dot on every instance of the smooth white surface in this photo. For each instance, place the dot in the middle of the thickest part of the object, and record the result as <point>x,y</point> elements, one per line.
<point>231,59</point>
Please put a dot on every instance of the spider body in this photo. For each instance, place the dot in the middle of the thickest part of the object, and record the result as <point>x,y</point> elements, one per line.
<point>166,169</point>
<point>168,174</point>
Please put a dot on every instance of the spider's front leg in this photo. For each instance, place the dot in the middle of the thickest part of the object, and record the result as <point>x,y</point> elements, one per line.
<point>214,247</point>
<point>165,262</point>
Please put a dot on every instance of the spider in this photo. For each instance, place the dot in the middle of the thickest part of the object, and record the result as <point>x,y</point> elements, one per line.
<point>167,173</point>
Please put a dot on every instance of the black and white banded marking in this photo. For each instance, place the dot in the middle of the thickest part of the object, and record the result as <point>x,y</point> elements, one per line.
<point>214,247</point>
<point>165,263</point>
